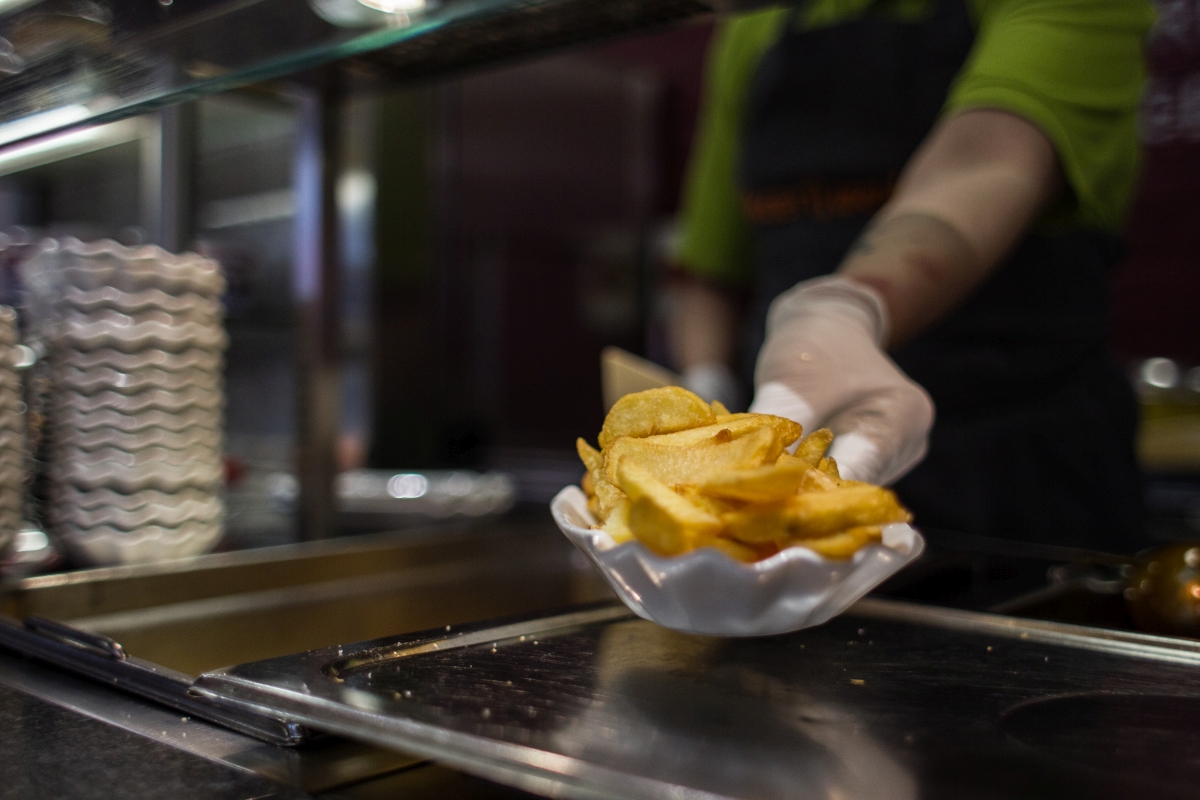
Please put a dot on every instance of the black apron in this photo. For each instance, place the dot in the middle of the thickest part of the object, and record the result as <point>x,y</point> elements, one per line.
<point>1035,423</point>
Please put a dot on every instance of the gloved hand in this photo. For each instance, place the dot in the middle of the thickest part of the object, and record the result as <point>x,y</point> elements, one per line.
<point>823,365</point>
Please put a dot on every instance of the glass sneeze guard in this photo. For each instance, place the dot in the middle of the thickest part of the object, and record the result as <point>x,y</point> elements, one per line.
<point>64,63</point>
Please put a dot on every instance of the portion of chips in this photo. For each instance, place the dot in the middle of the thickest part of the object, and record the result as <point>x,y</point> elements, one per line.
<point>678,474</point>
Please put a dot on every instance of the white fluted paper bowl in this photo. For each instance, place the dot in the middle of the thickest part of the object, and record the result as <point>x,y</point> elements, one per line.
<point>108,546</point>
<point>708,593</point>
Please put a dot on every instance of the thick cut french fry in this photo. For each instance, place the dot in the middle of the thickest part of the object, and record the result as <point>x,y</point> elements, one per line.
<point>742,552</point>
<point>812,447</point>
<point>844,544</point>
<point>691,466</point>
<point>733,426</point>
<point>757,524</point>
<point>719,408</point>
<point>813,515</point>
<point>704,435</point>
<point>787,459</point>
<point>767,484</point>
<point>593,462</point>
<point>830,468</point>
<point>816,514</point>
<point>663,410</point>
<point>607,498</point>
<point>661,519</point>
<point>713,505</point>
<point>817,481</point>
<point>788,430</point>
<point>617,524</point>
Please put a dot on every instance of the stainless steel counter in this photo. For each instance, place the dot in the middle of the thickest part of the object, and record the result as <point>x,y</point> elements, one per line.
<point>67,737</point>
<point>195,614</point>
<point>198,614</point>
<point>891,700</point>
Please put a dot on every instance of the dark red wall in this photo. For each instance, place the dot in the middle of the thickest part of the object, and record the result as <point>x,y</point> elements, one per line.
<point>1156,291</point>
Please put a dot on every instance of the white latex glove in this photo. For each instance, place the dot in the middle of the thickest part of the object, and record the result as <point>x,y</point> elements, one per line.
<point>823,365</point>
<point>713,381</point>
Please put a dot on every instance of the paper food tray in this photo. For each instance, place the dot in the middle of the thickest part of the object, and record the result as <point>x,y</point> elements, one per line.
<point>707,592</point>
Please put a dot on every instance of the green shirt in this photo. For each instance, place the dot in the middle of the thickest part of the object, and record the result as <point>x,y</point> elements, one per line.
<point>1072,67</point>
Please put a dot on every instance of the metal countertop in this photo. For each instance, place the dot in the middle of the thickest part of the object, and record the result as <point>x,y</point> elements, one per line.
<point>891,700</point>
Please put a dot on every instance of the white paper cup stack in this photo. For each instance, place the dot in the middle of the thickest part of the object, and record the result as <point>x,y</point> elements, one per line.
<point>12,431</point>
<point>135,341</point>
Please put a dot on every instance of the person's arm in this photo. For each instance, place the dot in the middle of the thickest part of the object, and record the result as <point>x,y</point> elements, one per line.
<point>1062,74</point>
<point>703,324</point>
<point>702,330</point>
<point>964,199</point>
<point>966,196</point>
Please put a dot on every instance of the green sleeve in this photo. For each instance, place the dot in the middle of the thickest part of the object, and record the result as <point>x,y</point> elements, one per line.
<point>1073,68</point>
<point>715,240</point>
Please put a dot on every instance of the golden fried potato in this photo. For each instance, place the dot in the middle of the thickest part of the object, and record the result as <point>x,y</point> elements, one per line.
<point>767,484</point>
<point>663,520</point>
<point>719,408</point>
<point>691,466</point>
<point>713,505</point>
<point>829,467</point>
<point>822,513</point>
<point>588,484</point>
<point>663,410</point>
<point>757,524</point>
<point>844,544</point>
<point>608,497</point>
<point>590,456</point>
<point>813,515</point>
<point>788,430</point>
<point>617,524</point>
<point>707,434</point>
<point>812,447</point>
<point>742,552</point>
<point>816,514</point>
<point>735,427</point>
<point>817,481</point>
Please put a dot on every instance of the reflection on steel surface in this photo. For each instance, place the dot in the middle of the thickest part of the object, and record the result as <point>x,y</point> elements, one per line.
<point>318,769</point>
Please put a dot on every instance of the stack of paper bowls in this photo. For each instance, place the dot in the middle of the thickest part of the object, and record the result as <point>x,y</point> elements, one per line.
<point>135,341</point>
<point>12,431</point>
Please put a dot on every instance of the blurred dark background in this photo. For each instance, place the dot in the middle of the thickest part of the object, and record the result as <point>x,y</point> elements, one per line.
<point>500,229</point>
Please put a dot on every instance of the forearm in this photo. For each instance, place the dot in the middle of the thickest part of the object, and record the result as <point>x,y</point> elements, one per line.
<point>965,198</point>
<point>703,325</point>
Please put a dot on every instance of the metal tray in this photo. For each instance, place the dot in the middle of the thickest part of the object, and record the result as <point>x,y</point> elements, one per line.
<point>890,700</point>
<point>104,659</point>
